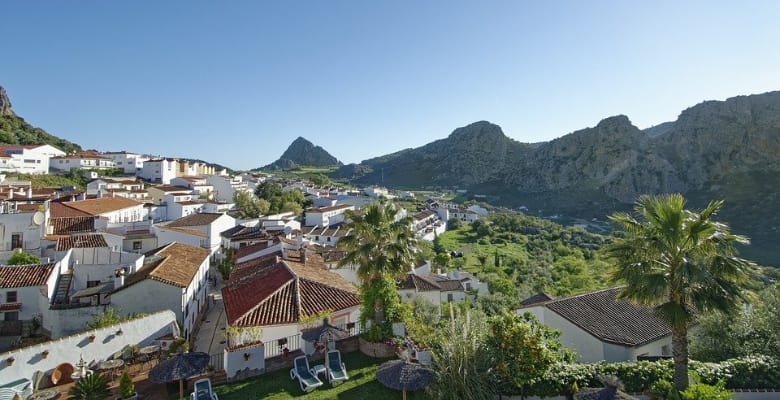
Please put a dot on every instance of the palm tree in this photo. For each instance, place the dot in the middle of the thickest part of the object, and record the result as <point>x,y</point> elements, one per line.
<point>681,261</point>
<point>382,247</point>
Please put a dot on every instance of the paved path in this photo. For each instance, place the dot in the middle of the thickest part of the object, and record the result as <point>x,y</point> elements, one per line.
<point>211,336</point>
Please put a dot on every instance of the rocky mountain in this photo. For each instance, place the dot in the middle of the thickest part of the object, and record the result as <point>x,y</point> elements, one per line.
<point>15,130</point>
<point>5,104</point>
<point>717,149</point>
<point>303,153</point>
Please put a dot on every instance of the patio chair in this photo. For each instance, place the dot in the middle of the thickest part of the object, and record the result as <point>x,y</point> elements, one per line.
<point>202,390</point>
<point>303,374</point>
<point>337,371</point>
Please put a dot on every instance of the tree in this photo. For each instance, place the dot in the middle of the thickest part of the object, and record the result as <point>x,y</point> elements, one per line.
<point>751,331</point>
<point>249,206</point>
<point>681,261</point>
<point>381,248</point>
<point>22,258</point>
<point>525,350</point>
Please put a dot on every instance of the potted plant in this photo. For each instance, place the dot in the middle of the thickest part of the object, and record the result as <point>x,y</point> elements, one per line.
<point>91,338</point>
<point>127,387</point>
<point>90,387</point>
<point>44,354</point>
<point>10,361</point>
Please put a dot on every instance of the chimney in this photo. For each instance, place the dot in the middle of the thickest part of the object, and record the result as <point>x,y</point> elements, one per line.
<point>10,193</point>
<point>119,278</point>
<point>303,256</point>
<point>29,192</point>
<point>277,259</point>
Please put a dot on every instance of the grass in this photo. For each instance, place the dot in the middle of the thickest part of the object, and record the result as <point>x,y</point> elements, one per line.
<point>362,384</point>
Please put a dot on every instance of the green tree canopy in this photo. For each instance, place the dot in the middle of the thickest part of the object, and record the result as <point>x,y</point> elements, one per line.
<point>680,261</point>
<point>22,258</point>
<point>524,350</point>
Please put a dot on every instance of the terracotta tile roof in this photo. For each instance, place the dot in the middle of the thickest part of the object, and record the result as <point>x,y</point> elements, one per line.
<point>67,225</point>
<point>611,320</point>
<point>10,306</point>
<point>172,189</point>
<point>82,155</point>
<point>175,264</point>
<point>248,268</point>
<point>188,231</point>
<point>100,206</point>
<point>59,210</point>
<point>431,282</point>
<point>5,148</point>
<point>81,241</point>
<point>286,291</point>
<point>251,249</point>
<point>200,219</point>
<point>536,299</point>
<point>423,215</point>
<point>13,276</point>
<point>241,232</point>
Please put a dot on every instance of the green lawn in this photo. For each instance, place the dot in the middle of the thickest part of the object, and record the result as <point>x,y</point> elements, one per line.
<point>277,385</point>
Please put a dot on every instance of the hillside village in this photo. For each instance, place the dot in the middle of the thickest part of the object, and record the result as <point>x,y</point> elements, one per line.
<point>150,240</point>
<point>162,245</point>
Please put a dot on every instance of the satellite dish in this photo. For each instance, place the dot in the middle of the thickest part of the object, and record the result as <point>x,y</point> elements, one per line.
<point>38,218</point>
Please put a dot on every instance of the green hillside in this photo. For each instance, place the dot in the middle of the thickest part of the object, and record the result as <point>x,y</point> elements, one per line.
<point>15,130</point>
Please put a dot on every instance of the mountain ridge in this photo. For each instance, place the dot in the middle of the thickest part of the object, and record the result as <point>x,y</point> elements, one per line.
<point>714,149</point>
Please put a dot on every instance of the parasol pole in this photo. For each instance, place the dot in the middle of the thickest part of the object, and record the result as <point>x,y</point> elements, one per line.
<point>404,393</point>
<point>181,389</point>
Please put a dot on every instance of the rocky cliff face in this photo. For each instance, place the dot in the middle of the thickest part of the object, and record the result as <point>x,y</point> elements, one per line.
<point>717,149</point>
<point>303,152</point>
<point>5,103</point>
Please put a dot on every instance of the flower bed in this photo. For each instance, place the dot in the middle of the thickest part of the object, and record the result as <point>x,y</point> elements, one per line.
<point>376,349</point>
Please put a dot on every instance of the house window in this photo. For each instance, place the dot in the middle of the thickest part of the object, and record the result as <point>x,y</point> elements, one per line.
<point>449,297</point>
<point>92,283</point>
<point>186,311</point>
<point>16,241</point>
<point>11,297</point>
<point>137,245</point>
<point>11,316</point>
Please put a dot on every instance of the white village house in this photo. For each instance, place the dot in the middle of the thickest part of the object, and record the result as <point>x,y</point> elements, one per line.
<point>599,327</point>
<point>173,277</point>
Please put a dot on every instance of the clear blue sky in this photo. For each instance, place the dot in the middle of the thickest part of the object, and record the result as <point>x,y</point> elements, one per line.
<point>236,82</point>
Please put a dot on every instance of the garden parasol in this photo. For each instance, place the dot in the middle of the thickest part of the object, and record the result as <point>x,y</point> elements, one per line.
<point>178,368</point>
<point>404,375</point>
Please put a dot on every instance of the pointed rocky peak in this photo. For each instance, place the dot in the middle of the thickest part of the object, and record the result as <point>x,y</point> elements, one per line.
<point>5,103</point>
<point>303,152</point>
<point>479,129</point>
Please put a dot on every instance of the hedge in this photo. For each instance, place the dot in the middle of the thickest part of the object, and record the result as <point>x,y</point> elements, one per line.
<point>756,372</point>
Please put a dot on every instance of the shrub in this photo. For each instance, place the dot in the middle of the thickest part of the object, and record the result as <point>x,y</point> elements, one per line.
<point>90,387</point>
<point>663,390</point>
<point>703,391</point>
<point>126,386</point>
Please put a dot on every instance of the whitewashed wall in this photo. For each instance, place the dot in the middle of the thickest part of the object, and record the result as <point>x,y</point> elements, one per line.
<point>68,349</point>
<point>68,321</point>
<point>236,360</point>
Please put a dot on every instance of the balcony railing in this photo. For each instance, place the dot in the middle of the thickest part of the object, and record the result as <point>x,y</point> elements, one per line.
<point>276,347</point>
